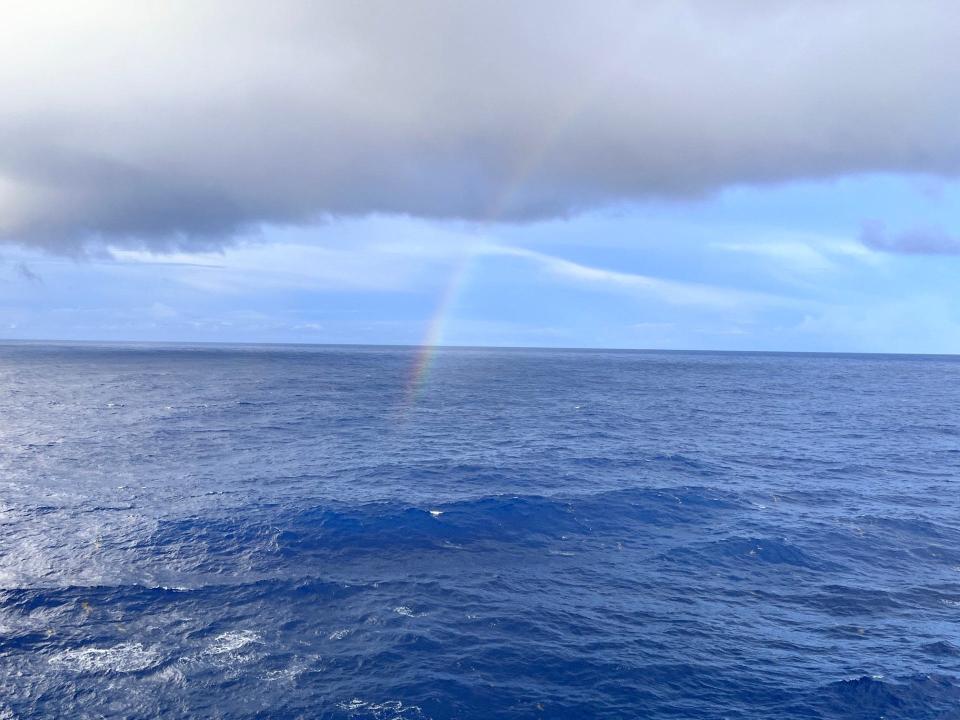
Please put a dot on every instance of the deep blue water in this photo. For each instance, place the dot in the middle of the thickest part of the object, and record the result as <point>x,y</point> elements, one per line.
<point>257,532</point>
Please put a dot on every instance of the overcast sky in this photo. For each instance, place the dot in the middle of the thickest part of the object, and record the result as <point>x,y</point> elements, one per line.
<point>701,174</point>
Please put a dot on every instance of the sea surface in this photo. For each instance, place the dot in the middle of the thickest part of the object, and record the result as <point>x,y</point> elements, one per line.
<point>359,532</point>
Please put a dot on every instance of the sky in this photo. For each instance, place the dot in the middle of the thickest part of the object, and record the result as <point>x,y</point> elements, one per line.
<point>708,174</point>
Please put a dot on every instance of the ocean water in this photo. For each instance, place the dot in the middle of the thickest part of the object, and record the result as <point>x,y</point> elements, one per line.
<point>296,532</point>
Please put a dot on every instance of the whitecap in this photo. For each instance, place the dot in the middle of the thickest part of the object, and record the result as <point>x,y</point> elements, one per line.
<point>231,642</point>
<point>298,667</point>
<point>281,675</point>
<point>339,634</point>
<point>126,657</point>
<point>171,675</point>
<point>404,610</point>
<point>388,710</point>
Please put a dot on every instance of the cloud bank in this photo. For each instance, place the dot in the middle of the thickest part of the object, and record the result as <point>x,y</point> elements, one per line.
<point>184,122</point>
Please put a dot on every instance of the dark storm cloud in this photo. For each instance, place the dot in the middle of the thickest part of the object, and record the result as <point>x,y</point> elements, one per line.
<point>179,123</point>
<point>915,241</point>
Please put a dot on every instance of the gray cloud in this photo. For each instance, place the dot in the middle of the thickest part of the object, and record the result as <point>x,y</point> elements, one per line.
<point>24,271</point>
<point>915,241</point>
<point>180,123</point>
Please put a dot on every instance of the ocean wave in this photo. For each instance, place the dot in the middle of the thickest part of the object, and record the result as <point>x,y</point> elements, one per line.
<point>386,710</point>
<point>923,697</point>
<point>941,648</point>
<point>390,527</point>
<point>229,642</point>
<point>123,658</point>
<point>749,550</point>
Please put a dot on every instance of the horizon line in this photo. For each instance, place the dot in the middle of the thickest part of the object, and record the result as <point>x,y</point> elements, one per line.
<point>419,347</point>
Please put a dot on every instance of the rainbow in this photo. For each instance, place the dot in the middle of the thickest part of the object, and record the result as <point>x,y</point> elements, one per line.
<point>434,334</point>
<point>454,287</point>
<point>433,337</point>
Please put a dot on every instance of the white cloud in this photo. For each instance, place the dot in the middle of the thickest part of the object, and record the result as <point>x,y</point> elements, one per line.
<point>801,253</point>
<point>286,265</point>
<point>668,291</point>
<point>796,255</point>
<point>407,261</point>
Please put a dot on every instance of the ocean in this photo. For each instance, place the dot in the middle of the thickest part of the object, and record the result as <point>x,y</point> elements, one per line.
<point>364,532</point>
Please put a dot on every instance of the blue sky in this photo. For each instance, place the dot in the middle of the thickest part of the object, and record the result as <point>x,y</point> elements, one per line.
<point>750,268</point>
<point>703,174</point>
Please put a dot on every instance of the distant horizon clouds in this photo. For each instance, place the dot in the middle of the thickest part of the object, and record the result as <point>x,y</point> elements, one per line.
<point>181,125</point>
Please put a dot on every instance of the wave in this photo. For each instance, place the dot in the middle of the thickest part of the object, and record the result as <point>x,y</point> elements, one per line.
<point>122,658</point>
<point>922,697</point>
<point>271,534</point>
<point>386,710</point>
<point>740,551</point>
<point>941,648</point>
